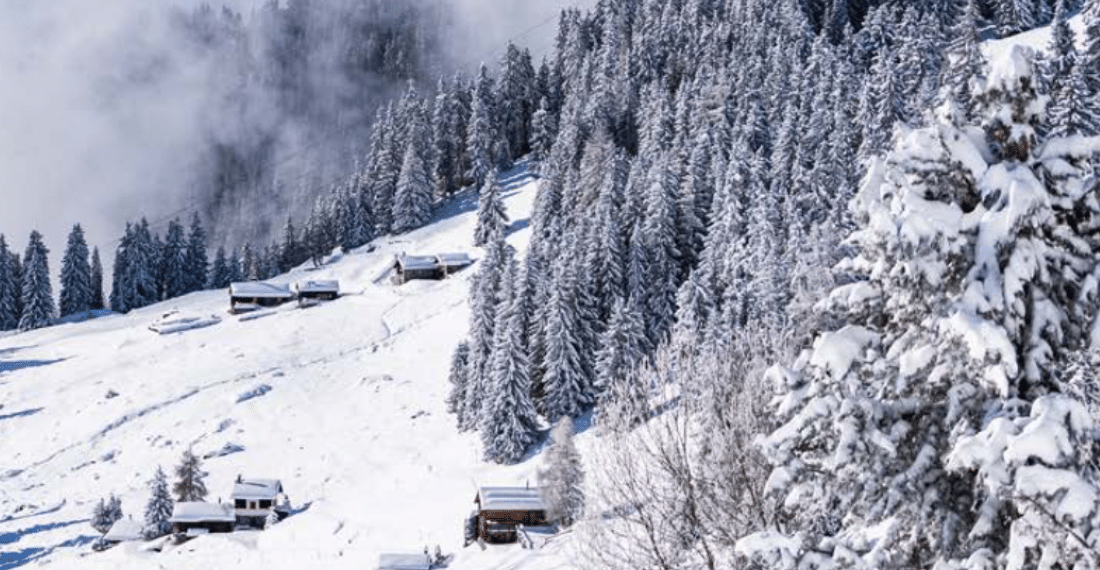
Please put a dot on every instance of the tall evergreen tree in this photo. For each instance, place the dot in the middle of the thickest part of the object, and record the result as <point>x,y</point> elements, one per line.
<point>509,423</point>
<point>76,276</point>
<point>174,261</point>
<point>412,206</point>
<point>482,132</point>
<point>491,217</point>
<point>158,510</point>
<point>568,392</point>
<point>460,362</point>
<point>98,302</point>
<point>10,290</point>
<point>220,273</point>
<point>196,262</point>
<point>37,292</point>
<point>190,482</point>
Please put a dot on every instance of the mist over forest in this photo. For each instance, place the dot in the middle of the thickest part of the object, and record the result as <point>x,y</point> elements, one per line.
<point>242,113</point>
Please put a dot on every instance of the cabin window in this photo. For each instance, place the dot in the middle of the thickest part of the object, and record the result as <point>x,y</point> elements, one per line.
<point>265,504</point>
<point>240,504</point>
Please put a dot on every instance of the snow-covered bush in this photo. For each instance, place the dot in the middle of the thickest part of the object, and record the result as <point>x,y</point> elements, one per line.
<point>931,429</point>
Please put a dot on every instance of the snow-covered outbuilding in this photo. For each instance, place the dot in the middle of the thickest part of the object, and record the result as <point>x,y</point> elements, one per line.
<point>124,530</point>
<point>197,518</point>
<point>501,509</point>
<point>251,295</point>
<point>254,499</point>
<point>409,267</point>
<point>312,291</point>
<point>418,561</point>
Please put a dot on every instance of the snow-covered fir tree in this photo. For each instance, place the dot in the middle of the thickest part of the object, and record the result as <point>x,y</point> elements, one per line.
<point>561,477</point>
<point>10,290</point>
<point>412,207</point>
<point>482,132</point>
<point>491,216</point>
<point>220,272</point>
<point>196,264</point>
<point>928,428</point>
<point>37,293</point>
<point>158,509</point>
<point>190,482</point>
<point>509,424</point>
<point>106,513</point>
<point>460,362</point>
<point>98,302</point>
<point>174,261</point>
<point>77,294</point>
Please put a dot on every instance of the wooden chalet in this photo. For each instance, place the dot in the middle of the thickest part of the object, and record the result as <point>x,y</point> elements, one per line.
<point>253,295</point>
<point>500,510</point>
<point>410,267</point>
<point>311,292</point>
<point>199,518</point>
<point>255,499</point>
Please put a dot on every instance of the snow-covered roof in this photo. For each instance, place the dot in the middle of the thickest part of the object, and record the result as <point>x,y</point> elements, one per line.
<point>454,259</point>
<point>124,530</point>
<point>511,499</point>
<point>319,287</point>
<point>257,489</point>
<point>260,290</point>
<point>404,562</point>
<point>417,262</point>
<point>202,512</point>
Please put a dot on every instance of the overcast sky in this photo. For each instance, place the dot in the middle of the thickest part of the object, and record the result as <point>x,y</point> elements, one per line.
<point>77,145</point>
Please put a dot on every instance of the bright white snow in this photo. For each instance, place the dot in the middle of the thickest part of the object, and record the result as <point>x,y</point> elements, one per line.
<point>354,422</point>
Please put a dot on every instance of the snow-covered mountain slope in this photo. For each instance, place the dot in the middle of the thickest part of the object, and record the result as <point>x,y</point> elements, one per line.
<point>1037,39</point>
<point>353,420</point>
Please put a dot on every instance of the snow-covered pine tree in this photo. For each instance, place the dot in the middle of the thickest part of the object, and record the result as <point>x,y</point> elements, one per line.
<point>159,507</point>
<point>97,282</point>
<point>190,482</point>
<point>1014,16</point>
<point>460,362</point>
<point>412,207</point>
<point>37,293</point>
<point>220,276</point>
<point>444,141</point>
<point>928,427</point>
<point>491,217</point>
<point>567,390</point>
<point>196,264</point>
<point>10,290</point>
<point>236,267</point>
<point>622,346</point>
<point>76,276</point>
<point>102,516</point>
<point>561,477</point>
<point>15,264</point>
<point>485,298</point>
<point>482,132</point>
<point>120,296</point>
<point>289,252</point>
<point>141,267</point>
<point>544,130</point>
<point>509,423</point>
<point>174,261</point>
<point>966,62</point>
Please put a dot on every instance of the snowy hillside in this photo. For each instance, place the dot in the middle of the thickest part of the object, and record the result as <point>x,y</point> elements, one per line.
<point>354,422</point>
